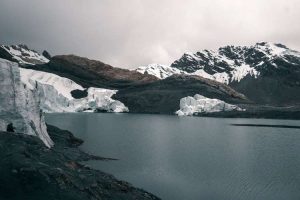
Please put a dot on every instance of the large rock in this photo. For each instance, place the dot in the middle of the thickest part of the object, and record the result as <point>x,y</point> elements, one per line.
<point>20,107</point>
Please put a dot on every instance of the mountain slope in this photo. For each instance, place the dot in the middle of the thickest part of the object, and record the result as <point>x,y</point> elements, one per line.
<point>141,91</point>
<point>164,96</point>
<point>92,73</point>
<point>22,55</point>
<point>159,71</point>
<point>266,73</point>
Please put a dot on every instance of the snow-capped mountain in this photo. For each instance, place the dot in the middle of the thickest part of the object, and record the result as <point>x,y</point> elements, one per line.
<point>233,63</point>
<point>160,71</point>
<point>55,93</point>
<point>266,73</point>
<point>228,64</point>
<point>22,54</point>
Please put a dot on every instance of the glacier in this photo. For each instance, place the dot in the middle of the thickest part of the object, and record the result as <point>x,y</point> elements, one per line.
<point>55,94</point>
<point>199,104</point>
<point>20,106</point>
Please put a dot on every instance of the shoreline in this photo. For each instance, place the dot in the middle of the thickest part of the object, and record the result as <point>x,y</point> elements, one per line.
<point>30,170</point>
<point>281,115</point>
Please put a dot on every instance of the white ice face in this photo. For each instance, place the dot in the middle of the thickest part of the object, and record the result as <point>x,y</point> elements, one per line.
<point>200,104</point>
<point>20,106</point>
<point>55,94</point>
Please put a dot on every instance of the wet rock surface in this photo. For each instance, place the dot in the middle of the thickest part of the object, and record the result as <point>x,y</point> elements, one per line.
<point>30,170</point>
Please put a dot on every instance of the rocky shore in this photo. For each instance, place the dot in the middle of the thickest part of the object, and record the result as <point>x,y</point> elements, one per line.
<point>30,170</point>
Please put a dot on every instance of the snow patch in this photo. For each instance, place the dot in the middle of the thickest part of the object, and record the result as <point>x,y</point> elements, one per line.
<point>220,77</point>
<point>242,71</point>
<point>158,70</point>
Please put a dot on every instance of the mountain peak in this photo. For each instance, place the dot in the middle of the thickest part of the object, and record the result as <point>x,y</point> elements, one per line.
<point>229,63</point>
<point>158,70</point>
<point>22,54</point>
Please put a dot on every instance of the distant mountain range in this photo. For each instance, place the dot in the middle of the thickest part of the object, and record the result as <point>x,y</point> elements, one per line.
<point>261,78</point>
<point>22,55</point>
<point>266,73</point>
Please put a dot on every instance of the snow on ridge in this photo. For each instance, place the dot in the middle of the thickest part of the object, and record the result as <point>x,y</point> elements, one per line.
<point>199,104</point>
<point>219,66</point>
<point>237,74</point>
<point>158,70</point>
<point>271,48</point>
<point>24,55</point>
<point>219,77</point>
<point>55,94</point>
<point>242,71</point>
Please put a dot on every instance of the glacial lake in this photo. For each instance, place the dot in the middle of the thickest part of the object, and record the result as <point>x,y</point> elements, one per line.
<point>192,158</point>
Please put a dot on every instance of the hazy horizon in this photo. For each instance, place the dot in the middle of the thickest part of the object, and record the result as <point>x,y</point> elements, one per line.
<point>132,33</point>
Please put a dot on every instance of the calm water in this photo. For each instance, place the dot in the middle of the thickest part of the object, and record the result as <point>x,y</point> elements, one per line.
<point>193,158</point>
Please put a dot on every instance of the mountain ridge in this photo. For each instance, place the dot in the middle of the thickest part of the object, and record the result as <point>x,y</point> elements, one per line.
<point>273,81</point>
<point>266,73</point>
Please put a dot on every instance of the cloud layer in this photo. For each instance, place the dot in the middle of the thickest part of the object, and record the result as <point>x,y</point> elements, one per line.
<point>129,33</point>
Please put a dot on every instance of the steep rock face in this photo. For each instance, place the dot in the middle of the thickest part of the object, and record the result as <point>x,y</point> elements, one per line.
<point>46,54</point>
<point>20,107</point>
<point>200,104</point>
<point>55,94</point>
<point>22,55</point>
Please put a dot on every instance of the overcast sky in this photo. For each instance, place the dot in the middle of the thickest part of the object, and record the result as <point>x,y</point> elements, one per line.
<point>130,33</point>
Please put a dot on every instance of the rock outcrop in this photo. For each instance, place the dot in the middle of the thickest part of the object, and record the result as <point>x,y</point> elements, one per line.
<point>20,107</point>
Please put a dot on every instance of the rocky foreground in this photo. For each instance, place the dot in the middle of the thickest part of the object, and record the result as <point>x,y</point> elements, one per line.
<point>30,170</point>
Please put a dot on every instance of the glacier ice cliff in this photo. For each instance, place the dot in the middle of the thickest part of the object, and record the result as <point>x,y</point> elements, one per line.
<point>20,107</point>
<point>200,104</point>
<point>55,94</point>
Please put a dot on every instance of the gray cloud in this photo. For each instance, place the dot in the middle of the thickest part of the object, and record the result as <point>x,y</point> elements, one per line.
<point>129,33</point>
